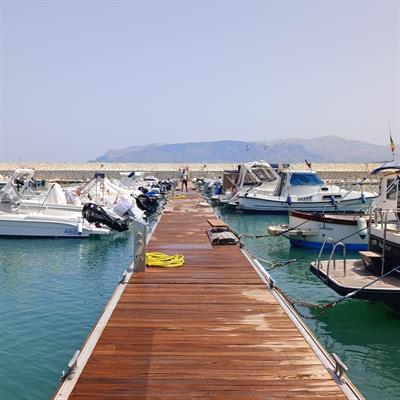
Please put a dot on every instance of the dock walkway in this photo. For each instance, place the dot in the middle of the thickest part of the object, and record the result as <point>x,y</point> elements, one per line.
<point>209,330</point>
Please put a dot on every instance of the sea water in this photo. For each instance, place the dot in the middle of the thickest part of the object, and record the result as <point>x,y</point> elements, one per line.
<point>53,291</point>
<point>365,335</point>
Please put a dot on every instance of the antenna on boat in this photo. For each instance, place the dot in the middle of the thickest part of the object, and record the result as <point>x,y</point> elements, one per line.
<point>309,165</point>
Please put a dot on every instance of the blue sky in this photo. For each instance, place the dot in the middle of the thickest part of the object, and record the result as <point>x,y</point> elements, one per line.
<point>81,77</point>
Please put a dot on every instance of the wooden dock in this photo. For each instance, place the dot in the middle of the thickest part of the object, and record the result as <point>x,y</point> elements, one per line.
<point>211,329</point>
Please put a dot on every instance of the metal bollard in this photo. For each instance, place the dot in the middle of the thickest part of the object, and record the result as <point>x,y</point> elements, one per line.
<point>139,246</point>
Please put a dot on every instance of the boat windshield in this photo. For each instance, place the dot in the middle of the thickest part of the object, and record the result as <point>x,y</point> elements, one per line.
<point>299,179</point>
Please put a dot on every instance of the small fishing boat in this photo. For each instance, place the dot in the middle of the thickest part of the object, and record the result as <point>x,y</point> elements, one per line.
<point>312,229</point>
<point>302,191</point>
<point>376,275</point>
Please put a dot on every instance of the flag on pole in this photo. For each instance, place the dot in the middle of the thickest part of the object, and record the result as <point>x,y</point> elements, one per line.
<point>393,145</point>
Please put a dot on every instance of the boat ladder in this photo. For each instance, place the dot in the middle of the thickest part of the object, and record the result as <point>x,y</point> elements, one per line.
<point>332,256</point>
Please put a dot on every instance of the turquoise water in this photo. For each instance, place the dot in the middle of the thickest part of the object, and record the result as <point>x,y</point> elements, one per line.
<point>51,294</point>
<point>53,291</point>
<point>365,335</point>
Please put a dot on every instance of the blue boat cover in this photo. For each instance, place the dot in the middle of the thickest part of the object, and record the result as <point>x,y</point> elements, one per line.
<point>387,165</point>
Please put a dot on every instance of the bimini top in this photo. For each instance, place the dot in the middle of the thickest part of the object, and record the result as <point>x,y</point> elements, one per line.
<point>305,178</point>
<point>387,165</point>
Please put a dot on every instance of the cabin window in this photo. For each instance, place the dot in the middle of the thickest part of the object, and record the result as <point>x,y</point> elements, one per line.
<point>263,175</point>
<point>249,180</point>
<point>336,196</point>
<point>299,179</point>
<point>391,184</point>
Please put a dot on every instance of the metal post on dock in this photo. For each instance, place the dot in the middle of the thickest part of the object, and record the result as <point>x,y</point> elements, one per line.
<point>139,246</point>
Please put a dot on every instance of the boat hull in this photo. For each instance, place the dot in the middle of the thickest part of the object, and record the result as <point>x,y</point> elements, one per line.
<point>311,230</point>
<point>391,297</point>
<point>269,205</point>
<point>31,226</point>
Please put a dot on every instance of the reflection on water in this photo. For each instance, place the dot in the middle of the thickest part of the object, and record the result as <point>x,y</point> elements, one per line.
<point>363,334</point>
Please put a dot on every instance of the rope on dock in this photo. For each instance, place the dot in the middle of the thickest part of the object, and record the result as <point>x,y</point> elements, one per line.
<point>156,259</point>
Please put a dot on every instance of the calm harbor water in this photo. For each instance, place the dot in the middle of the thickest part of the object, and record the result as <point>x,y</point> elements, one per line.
<point>363,334</point>
<point>51,294</point>
<point>53,291</point>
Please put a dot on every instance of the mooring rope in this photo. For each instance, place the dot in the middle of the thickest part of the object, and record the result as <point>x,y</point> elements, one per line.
<point>324,307</point>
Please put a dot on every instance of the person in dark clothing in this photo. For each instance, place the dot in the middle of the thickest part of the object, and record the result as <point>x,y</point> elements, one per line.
<point>184,180</point>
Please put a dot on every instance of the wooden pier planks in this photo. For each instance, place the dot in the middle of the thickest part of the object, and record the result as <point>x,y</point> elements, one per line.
<point>209,330</point>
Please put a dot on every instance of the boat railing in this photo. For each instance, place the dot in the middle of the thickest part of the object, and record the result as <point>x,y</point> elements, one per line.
<point>318,260</point>
<point>333,257</point>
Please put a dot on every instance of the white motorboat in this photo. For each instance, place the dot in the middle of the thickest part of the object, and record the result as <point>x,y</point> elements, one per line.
<point>111,196</point>
<point>312,229</point>
<point>302,190</point>
<point>39,225</point>
<point>15,222</point>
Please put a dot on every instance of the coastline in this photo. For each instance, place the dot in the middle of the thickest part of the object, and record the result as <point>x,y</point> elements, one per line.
<point>153,167</point>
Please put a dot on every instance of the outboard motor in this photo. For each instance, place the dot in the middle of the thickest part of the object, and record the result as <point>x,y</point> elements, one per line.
<point>148,204</point>
<point>19,182</point>
<point>95,214</point>
<point>143,189</point>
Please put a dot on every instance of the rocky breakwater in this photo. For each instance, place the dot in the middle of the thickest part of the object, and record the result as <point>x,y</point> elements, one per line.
<point>76,172</point>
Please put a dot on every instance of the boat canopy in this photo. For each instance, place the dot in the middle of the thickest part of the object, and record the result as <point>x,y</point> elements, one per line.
<point>387,165</point>
<point>305,178</point>
<point>9,199</point>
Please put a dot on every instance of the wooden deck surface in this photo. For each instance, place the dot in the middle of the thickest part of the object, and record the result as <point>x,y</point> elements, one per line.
<point>209,330</point>
<point>357,276</point>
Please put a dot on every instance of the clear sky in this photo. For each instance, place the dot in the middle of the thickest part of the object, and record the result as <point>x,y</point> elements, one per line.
<point>82,77</point>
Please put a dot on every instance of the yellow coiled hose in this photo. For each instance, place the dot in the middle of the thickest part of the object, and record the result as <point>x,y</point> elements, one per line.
<point>180,196</point>
<point>164,260</point>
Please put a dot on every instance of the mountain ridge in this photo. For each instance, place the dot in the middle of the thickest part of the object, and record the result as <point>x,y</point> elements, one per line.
<point>327,148</point>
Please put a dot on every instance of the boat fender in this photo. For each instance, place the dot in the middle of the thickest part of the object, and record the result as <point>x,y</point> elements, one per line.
<point>289,200</point>
<point>80,227</point>
<point>363,200</point>
<point>333,200</point>
<point>362,227</point>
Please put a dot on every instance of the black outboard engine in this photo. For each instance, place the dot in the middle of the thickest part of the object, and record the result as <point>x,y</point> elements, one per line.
<point>95,214</point>
<point>143,189</point>
<point>19,182</point>
<point>146,203</point>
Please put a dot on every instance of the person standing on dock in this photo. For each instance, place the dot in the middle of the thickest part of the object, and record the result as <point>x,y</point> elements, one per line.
<point>184,179</point>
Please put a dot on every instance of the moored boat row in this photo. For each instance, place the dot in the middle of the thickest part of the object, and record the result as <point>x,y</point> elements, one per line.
<point>326,217</point>
<point>97,208</point>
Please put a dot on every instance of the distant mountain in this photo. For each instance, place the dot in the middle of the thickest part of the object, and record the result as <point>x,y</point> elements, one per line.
<point>322,149</point>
